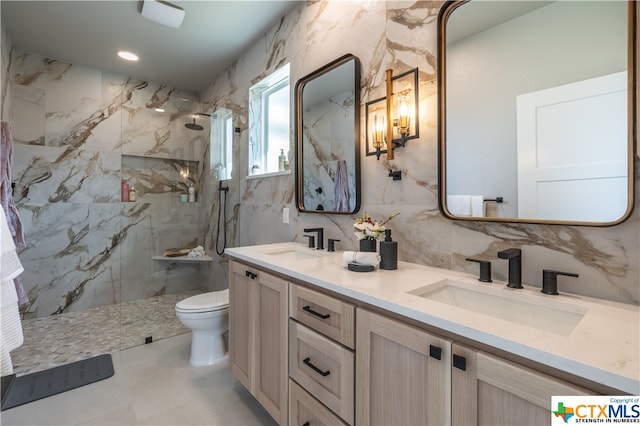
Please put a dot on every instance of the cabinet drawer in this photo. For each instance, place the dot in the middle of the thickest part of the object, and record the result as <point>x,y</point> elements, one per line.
<point>324,368</point>
<point>304,409</point>
<point>323,313</point>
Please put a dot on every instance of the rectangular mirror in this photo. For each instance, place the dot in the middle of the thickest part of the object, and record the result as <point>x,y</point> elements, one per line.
<point>537,110</point>
<point>327,132</point>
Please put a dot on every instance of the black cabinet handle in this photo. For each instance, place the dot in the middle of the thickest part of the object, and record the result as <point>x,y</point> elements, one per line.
<point>250,275</point>
<point>307,362</point>
<point>306,424</point>
<point>435,352</point>
<point>460,362</point>
<point>318,314</point>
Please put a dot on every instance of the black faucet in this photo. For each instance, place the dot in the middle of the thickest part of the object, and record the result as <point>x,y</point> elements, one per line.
<point>515,266</point>
<point>320,239</point>
<point>332,244</point>
<point>550,280</point>
<point>485,269</point>
<point>312,240</point>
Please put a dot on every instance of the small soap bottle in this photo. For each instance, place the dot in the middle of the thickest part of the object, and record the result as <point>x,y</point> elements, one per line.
<point>281,159</point>
<point>125,191</point>
<point>388,252</point>
<point>133,194</point>
<point>192,194</point>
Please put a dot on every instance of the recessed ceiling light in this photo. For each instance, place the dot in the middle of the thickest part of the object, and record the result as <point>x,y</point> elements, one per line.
<point>127,56</point>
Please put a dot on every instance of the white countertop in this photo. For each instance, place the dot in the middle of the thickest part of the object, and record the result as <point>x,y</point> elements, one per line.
<point>604,347</point>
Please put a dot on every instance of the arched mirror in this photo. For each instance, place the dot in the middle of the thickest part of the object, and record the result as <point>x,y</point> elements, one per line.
<point>327,133</point>
<point>536,111</point>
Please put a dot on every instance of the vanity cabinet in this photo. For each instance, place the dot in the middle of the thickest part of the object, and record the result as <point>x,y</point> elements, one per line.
<point>402,373</point>
<point>311,357</point>
<point>321,358</point>
<point>492,391</point>
<point>258,336</point>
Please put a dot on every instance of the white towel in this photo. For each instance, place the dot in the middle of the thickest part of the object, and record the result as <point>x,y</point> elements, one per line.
<point>10,327</point>
<point>361,257</point>
<point>197,252</point>
<point>477,206</point>
<point>459,205</point>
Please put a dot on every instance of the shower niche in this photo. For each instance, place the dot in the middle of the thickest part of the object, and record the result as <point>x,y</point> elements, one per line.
<point>161,179</point>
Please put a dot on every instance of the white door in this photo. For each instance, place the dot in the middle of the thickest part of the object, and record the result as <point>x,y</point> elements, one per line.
<point>572,151</point>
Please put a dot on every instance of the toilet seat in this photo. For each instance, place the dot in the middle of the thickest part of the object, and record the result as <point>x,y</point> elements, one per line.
<point>205,302</point>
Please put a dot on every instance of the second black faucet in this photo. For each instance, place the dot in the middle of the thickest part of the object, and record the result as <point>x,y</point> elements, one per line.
<point>515,266</point>
<point>320,239</point>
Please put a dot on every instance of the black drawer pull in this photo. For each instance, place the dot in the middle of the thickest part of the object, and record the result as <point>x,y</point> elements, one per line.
<point>435,352</point>
<point>318,314</point>
<point>307,362</point>
<point>460,362</point>
<point>250,275</point>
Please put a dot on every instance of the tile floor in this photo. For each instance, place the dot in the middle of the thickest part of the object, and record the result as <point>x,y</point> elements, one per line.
<point>60,339</point>
<point>153,385</point>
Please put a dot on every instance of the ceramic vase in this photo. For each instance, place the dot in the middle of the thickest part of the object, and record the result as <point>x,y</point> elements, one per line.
<point>368,245</point>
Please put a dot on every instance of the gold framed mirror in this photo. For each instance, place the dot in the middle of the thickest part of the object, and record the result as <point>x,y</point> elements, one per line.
<point>327,135</point>
<point>537,111</point>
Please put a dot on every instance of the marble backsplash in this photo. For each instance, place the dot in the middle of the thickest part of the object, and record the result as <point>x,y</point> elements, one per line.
<point>403,35</point>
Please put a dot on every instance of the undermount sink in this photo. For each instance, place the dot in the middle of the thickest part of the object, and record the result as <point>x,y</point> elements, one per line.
<point>295,252</point>
<point>544,314</point>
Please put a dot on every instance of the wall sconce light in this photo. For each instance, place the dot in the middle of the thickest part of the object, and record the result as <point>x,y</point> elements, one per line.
<point>400,111</point>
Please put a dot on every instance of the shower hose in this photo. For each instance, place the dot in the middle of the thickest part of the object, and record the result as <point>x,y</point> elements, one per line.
<point>222,189</point>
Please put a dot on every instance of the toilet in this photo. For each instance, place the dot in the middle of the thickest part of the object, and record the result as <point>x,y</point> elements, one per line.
<point>207,315</point>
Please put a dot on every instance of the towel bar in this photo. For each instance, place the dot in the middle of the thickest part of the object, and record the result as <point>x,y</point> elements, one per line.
<point>497,200</point>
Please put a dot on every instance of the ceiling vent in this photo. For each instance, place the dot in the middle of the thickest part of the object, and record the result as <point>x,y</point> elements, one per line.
<point>163,13</point>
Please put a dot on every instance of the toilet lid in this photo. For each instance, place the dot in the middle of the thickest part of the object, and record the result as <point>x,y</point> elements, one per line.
<point>214,300</point>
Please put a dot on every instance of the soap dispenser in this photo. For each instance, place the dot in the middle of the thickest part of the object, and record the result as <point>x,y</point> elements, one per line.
<point>281,160</point>
<point>388,252</point>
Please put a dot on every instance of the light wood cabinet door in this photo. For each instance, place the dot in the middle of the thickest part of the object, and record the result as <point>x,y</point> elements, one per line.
<point>258,336</point>
<point>240,323</point>
<point>402,373</point>
<point>492,391</point>
<point>270,352</point>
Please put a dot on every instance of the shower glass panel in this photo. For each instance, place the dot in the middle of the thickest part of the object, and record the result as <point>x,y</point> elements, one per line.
<point>162,150</point>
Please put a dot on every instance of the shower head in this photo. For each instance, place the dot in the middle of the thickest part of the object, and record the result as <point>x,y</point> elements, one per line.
<point>193,126</point>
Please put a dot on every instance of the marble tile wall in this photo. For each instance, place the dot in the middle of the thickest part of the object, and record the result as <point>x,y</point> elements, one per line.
<point>402,35</point>
<point>73,124</point>
<point>78,132</point>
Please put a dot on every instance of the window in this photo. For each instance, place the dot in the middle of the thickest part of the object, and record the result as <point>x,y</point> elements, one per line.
<point>269,116</point>
<point>221,150</point>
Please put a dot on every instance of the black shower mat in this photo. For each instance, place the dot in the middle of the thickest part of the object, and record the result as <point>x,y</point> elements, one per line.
<point>35,386</point>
